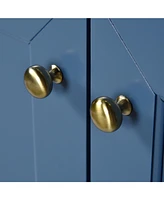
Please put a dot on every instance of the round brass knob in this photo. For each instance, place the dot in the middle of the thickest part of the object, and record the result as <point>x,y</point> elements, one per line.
<point>39,81</point>
<point>107,114</point>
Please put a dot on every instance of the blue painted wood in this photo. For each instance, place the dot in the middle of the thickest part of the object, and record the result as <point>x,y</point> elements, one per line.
<point>60,119</point>
<point>158,141</point>
<point>144,38</point>
<point>45,140</point>
<point>16,139</point>
<point>22,29</point>
<point>125,155</point>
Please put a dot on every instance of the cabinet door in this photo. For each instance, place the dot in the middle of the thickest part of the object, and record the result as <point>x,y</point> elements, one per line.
<point>126,154</point>
<point>144,40</point>
<point>60,119</point>
<point>43,139</point>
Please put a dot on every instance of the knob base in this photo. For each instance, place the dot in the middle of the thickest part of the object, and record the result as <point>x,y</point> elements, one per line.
<point>56,74</point>
<point>124,104</point>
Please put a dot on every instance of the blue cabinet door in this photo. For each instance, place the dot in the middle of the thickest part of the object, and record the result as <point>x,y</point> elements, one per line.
<point>60,119</point>
<point>143,39</point>
<point>126,154</point>
<point>43,139</point>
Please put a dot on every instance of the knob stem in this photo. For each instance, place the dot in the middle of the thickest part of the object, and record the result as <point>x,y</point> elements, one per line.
<point>56,74</point>
<point>124,104</point>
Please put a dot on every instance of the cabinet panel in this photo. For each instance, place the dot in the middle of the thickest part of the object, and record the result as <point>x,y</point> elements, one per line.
<point>144,38</point>
<point>23,29</point>
<point>60,118</point>
<point>16,138</point>
<point>124,155</point>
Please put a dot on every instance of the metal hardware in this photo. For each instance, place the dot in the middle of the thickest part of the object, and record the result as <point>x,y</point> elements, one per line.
<point>107,114</point>
<point>39,81</point>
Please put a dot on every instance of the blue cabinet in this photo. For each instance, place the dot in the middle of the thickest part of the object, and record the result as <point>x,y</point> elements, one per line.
<point>54,139</point>
<point>43,139</point>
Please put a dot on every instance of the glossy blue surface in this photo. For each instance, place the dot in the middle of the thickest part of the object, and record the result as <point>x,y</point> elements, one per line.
<point>126,154</point>
<point>46,139</point>
<point>43,139</point>
<point>144,39</point>
<point>22,29</point>
<point>60,119</point>
<point>16,137</point>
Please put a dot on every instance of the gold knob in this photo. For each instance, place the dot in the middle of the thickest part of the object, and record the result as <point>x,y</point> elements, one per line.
<point>107,113</point>
<point>39,81</point>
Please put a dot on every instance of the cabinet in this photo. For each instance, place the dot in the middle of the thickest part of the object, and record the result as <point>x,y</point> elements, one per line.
<point>43,139</point>
<point>54,139</point>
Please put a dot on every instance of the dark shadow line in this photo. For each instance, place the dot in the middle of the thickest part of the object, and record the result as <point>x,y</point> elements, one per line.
<point>40,30</point>
<point>153,143</point>
<point>162,165</point>
<point>88,100</point>
<point>158,142</point>
<point>162,170</point>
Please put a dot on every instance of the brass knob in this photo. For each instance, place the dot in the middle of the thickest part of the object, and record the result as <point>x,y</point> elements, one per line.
<point>107,113</point>
<point>39,81</point>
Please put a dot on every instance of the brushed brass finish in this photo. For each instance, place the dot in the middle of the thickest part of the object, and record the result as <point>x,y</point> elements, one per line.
<point>124,104</point>
<point>106,113</point>
<point>56,74</point>
<point>39,81</point>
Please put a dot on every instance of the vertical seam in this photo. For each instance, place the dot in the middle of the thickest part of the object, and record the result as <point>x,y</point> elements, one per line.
<point>88,99</point>
<point>162,170</point>
<point>153,142</point>
<point>33,125</point>
<point>158,141</point>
